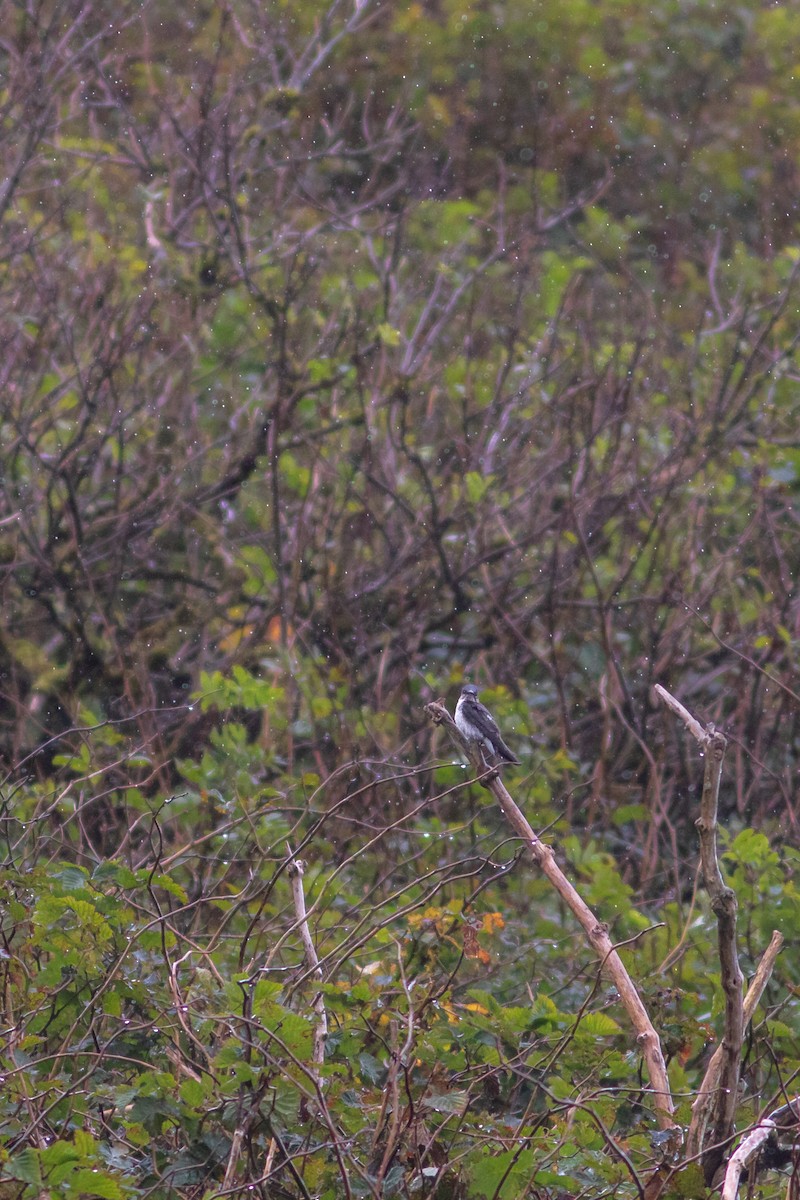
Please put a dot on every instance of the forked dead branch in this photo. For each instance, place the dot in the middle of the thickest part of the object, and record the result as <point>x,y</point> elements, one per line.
<point>713,1111</point>
<point>712,1128</point>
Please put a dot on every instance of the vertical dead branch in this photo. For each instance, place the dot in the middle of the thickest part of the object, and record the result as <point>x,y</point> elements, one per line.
<point>596,931</point>
<point>399,1062</point>
<point>296,871</point>
<point>754,993</point>
<point>233,1158</point>
<point>713,1111</point>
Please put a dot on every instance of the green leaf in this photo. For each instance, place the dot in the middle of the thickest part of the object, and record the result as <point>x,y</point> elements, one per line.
<point>72,878</point>
<point>477,485</point>
<point>388,335</point>
<point>686,1184</point>
<point>193,1093</point>
<point>112,1004</point>
<point>629,812</point>
<point>88,1182</point>
<point>114,872</point>
<point>599,1024</point>
<point>446,1102</point>
<point>486,1000</point>
<point>500,1175</point>
<point>24,1166</point>
<point>169,885</point>
<point>75,914</point>
<point>371,1069</point>
<point>62,1152</point>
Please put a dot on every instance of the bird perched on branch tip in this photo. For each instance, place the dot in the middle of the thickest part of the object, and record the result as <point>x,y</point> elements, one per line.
<point>477,724</point>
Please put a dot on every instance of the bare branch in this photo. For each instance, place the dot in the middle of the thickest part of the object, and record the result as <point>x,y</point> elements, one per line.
<point>692,724</point>
<point>750,1146</point>
<point>296,871</point>
<point>762,976</point>
<point>595,930</point>
<point>323,45</point>
<point>711,1079</point>
<point>714,1108</point>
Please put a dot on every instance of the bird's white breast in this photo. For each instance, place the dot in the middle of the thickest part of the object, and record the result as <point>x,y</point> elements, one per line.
<point>470,731</point>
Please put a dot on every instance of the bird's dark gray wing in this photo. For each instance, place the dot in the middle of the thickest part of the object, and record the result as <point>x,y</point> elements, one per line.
<point>480,718</point>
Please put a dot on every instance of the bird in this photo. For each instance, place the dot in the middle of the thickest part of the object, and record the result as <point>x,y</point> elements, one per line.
<point>477,724</point>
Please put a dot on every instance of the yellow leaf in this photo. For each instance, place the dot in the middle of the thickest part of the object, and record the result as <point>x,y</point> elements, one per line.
<point>234,639</point>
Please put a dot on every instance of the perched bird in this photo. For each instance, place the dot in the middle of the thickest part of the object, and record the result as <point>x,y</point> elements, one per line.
<point>477,724</point>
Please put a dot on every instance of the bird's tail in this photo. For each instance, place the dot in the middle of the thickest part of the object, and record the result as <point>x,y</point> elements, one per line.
<point>502,751</point>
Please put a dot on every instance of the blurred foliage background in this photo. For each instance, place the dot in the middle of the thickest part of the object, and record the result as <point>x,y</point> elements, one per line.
<point>350,352</point>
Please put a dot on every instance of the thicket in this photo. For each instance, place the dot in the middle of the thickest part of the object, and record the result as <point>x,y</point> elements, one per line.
<point>349,352</point>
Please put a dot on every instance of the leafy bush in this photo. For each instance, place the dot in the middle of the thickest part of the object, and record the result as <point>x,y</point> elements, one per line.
<point>345,355</point>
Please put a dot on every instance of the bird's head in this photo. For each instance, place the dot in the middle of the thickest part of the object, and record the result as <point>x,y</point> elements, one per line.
<point>469,689</point>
